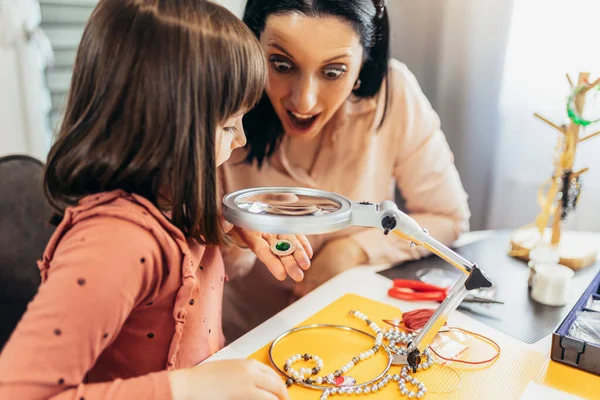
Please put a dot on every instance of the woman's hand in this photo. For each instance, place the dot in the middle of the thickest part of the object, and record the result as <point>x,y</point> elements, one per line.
<point>228,380</point>
<point>336,256</point>
<point>260,243</point>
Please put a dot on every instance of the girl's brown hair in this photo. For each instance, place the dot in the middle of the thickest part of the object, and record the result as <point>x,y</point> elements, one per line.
<point>152,81</point>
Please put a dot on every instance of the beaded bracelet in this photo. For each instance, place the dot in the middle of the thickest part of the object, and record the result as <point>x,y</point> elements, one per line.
<point>315,385</point>
<point>307,377</point>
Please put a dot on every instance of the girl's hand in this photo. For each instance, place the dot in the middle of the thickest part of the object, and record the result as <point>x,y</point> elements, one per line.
<point>260,243</point>
<point>228,380</point>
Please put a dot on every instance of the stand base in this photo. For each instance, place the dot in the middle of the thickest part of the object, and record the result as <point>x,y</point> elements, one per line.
<point>574,250</point>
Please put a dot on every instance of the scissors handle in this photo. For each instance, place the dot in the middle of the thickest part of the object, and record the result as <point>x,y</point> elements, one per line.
<point>410,295</point>
<point>418,286</point>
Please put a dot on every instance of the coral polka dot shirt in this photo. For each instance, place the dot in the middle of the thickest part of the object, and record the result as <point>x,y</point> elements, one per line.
<point>124,298</point>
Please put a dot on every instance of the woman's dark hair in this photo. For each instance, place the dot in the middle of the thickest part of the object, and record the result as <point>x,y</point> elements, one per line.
<point>368,18</point>
<point>152,81</point>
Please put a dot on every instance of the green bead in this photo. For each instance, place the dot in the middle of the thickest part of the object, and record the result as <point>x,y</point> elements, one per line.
<point>283,246</point>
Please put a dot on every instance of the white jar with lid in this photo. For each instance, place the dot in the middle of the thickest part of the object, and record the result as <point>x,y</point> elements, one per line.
<point>541,255</point>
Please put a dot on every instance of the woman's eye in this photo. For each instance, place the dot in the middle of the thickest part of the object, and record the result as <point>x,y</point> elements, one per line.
<point>282,66</point>
<point>281,63</point>
<point>333,73</point>
<point>230,129</point>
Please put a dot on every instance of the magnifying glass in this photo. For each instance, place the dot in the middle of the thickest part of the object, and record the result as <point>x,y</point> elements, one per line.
<point>292,210</point>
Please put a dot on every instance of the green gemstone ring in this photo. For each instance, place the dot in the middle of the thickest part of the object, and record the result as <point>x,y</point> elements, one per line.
<point>283,248</point>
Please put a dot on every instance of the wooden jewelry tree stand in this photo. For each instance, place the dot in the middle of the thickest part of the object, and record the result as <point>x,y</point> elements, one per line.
<point>558,196</point>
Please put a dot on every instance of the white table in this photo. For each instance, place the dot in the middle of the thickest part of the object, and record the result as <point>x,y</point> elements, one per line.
<point>363,281</point>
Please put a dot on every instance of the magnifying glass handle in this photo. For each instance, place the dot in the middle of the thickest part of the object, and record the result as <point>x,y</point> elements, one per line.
<point>388,217</point>
<point>437,321</point>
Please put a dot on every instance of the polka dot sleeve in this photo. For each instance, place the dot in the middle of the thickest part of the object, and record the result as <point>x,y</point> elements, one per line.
<point>101,269</point>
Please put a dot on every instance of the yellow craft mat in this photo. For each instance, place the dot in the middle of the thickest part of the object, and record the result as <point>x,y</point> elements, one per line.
<point>506,378</point>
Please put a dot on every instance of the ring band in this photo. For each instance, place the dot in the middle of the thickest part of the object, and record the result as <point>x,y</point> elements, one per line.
<point>283,247</point>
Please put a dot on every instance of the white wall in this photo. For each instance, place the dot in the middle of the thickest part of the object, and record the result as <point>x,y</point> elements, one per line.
<point>24,99</point>
<point>456,50</point>
<point>12,124</point>
<point>236,6</point>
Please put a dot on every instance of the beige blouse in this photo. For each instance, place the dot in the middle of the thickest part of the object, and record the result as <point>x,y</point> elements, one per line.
<point>366,163</point>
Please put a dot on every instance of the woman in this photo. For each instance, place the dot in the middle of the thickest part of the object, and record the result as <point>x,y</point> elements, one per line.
<point>338,115</point>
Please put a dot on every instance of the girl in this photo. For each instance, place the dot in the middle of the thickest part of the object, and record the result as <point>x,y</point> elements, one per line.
<point>339,115</point>
<point>133,278</point>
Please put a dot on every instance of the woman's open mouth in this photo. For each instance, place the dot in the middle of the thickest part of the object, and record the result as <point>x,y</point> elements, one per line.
<point>302,122</point>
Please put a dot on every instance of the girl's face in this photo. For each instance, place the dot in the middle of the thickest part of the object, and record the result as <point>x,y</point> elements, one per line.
<point>230,136</point>
<point>314,63</point>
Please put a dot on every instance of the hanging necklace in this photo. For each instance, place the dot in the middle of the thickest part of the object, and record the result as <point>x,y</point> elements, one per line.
<point>572,112</point>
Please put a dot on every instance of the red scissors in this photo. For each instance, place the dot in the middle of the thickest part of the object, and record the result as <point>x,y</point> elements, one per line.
<point>420,291</point>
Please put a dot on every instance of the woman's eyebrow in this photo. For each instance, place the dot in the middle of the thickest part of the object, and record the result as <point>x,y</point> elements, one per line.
<point>280,48</point>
